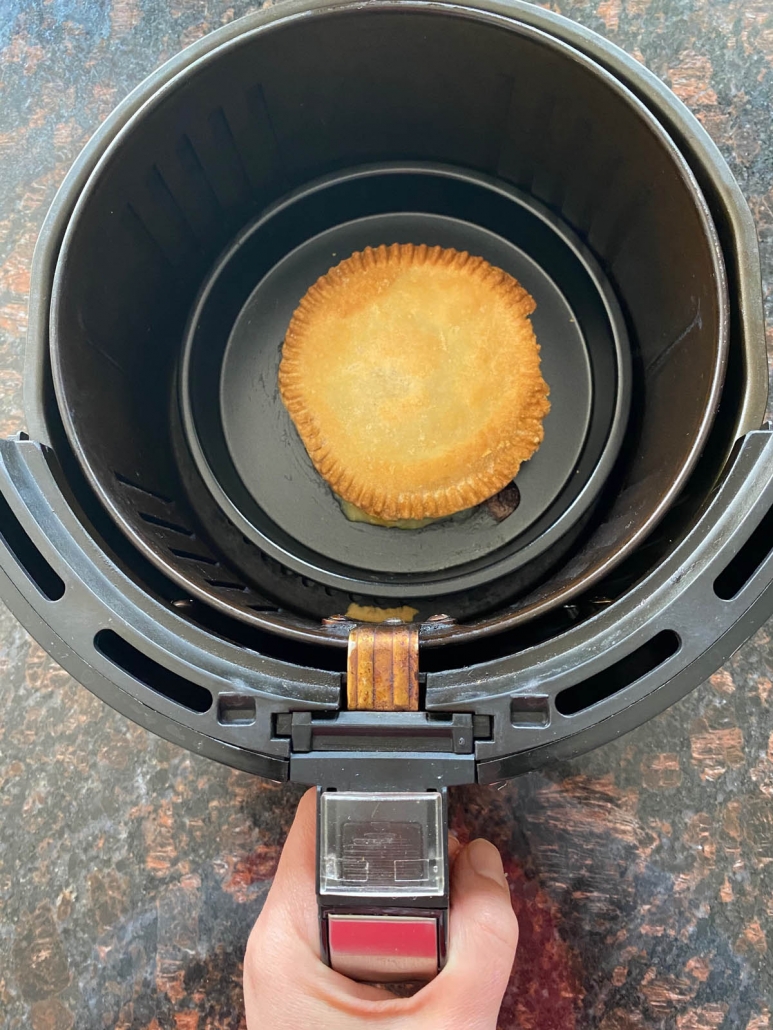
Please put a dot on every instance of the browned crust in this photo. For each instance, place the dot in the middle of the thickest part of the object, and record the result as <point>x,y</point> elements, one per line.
<point>489,464</point>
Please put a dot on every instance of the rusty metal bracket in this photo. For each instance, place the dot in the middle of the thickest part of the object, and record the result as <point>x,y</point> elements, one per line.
<point>382,671</point>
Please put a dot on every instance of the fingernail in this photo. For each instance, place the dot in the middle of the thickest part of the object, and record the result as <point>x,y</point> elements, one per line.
<point>485,860</point>
<point>454,847</point>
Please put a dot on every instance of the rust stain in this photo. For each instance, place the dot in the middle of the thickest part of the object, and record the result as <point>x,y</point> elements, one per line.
<point>661,771</point>
<point>752,939</point>
<point>714,751</point>
<point>726,891</point>
<point>690,79</point>
<point>383,668</point>
<point>707,1017</point>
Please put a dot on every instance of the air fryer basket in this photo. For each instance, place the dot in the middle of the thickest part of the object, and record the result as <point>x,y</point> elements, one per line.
<point>125,562</point>
<point>242,128</point>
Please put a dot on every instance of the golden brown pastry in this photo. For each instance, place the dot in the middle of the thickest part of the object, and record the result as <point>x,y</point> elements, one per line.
<point>412,375</point>
<point>367,613</point>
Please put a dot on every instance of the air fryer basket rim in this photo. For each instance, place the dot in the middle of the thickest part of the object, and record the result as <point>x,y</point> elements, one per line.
<point>679,599</point>
<point>31,485</point>
<point>693,140</point>
<point>497,622</point>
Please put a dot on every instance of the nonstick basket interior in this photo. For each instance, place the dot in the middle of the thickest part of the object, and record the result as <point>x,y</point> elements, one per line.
<point>253,463</point>
<point>195,175</point>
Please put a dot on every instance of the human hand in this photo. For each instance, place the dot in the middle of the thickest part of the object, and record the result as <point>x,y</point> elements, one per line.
<point>286,986</point>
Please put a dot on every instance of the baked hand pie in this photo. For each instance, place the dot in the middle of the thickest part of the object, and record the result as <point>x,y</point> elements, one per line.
<point>412,375</point>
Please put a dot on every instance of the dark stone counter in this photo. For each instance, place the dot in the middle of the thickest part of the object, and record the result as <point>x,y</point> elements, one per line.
<point>131,871</point>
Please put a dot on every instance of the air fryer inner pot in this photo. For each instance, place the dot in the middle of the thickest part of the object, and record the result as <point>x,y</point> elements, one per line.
<point>182,644</point>
<point>253,462</point>
<point>503,110</point>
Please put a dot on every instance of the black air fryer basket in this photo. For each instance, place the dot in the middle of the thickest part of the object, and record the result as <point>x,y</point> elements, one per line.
<point>164,535</point>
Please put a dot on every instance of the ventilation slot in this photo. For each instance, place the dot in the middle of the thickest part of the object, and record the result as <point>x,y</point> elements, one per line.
<point>236,710</point>
<point>141,667</point>
<point>174,527</point>
<point>142,489</point>
<point>27,555</point>
<point>227,584</point>
<point>531,710</point>
<point>739,570</point>
<point>192,556</point>
<point>622,674</point>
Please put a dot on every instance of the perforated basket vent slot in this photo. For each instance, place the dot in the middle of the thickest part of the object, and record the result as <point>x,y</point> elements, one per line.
<point>622,674</point>
<point>15,538</point>
<point>150,672</point>
<point>740,569</point>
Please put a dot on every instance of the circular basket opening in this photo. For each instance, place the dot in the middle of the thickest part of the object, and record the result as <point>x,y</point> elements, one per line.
<point>514,120</point>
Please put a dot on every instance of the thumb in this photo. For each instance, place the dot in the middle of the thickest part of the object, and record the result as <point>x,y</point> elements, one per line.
<point>483,938</point>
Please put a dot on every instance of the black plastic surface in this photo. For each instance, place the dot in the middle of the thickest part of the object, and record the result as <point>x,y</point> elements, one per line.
<point>165,200</point>
<point>668,586</point>
<point>678,597</point>
<point>254,464</point>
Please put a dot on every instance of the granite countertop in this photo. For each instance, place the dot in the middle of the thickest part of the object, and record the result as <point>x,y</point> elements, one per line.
<point>131,871</point>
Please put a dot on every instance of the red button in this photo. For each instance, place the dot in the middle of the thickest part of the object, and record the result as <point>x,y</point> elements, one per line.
<point>383,947</point>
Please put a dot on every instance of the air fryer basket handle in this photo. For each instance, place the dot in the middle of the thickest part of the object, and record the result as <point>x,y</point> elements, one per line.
<point>514,704</point>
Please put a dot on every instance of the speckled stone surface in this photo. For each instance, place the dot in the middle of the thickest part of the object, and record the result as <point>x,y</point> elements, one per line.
<point>131,871</point>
